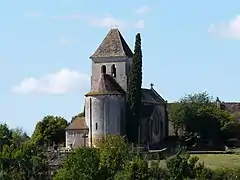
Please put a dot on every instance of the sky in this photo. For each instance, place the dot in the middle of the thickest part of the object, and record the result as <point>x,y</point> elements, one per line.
<point>188,47</point>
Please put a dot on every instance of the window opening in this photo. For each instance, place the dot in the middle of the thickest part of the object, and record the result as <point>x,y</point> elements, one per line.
<point>113,70</point>
<point>103,69</point>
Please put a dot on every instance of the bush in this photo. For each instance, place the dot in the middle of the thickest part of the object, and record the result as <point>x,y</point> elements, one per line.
<point>226,174</point>
<point>114,154</point>
<point>158,173</point>
<point>137,170</point>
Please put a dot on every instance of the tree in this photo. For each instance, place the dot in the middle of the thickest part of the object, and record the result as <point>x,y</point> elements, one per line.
<point>197,112</point>
<point>82,164</point>
<point>176,117</point>
<point>114,153</point>
<point>51,129</point>
<point>134,92</point>
<point>137,170</point>
<point>183,166</point>
<point>82,114</point>
<point>19,137</point>
<point>5,135</point>
<point>31,161</point>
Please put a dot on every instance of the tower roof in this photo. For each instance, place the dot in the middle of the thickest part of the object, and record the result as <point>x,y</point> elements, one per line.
<point>106,85</point>
<point>113,45</point>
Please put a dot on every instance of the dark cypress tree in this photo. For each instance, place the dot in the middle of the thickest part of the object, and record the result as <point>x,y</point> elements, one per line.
<point>134,93</point>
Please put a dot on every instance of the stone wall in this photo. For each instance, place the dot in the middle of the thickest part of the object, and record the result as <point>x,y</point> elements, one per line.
<point>107,116</point>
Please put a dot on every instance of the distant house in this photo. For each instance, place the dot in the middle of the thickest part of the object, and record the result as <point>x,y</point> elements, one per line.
<point>76,133</point>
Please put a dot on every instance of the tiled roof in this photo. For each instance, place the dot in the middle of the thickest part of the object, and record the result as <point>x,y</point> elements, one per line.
<point>113,45</point>
<point>106,85</point>
<point>77,124</point>
<point>150,96</point>
<point>233,107</point>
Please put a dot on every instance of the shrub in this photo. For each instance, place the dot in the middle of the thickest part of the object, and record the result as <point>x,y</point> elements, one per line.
<point>137,170</point>
<point>157,173</point>
<point>226,174</point>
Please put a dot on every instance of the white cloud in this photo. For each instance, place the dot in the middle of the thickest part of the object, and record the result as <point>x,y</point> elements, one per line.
<point>230,29</point>
<point>139,24</point>
<point>65,41</point>
<point>67,17</point>
<point>143,10</point>
<point>107,22</point>
<point>33,14</point>
<point>63,81</point>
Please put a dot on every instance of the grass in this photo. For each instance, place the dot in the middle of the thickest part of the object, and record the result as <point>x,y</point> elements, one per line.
<point>214,161</point>
<point>220,160</point>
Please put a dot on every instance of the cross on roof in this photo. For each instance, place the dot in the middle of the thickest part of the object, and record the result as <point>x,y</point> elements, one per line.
<point>151,85</point>
<point>114,26</point>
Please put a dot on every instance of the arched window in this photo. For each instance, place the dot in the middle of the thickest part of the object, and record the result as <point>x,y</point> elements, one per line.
<point>103,69</point>
<point>113,70</point>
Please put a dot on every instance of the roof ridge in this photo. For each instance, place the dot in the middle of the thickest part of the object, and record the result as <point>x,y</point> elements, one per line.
<point>113,45</point>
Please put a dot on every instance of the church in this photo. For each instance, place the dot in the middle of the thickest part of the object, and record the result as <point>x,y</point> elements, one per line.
<point>105,103</point>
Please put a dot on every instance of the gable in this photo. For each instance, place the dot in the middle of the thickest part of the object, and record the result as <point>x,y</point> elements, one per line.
<point>150,96</point>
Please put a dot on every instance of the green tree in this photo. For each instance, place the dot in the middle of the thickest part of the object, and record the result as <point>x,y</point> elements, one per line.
<point>82,114</point>
<point>182,166</point>
<point>176,116</point>
<point>82,164</point>
<point>136,169</point>
<point>31,161</point>
<point>19,137</point>
<point>114,153</point>
<point>5,135</point>
<point>134,92</point>
<point>197,112</point>
<point>51,129</point>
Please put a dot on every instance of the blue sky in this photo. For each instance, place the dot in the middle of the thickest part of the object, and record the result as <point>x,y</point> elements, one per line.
<point>188,46</point>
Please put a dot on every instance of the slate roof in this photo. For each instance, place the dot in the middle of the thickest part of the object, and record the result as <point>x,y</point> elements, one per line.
<point>150,96</point>
<point>113,45</point>
<point>106,85</point>
<point>78,124</point>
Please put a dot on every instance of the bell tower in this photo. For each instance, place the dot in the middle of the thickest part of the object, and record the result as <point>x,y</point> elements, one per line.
<point>113,57</point>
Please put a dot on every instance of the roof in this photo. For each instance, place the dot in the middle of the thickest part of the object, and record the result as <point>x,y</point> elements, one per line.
<point>232,106</point>
<point>106,85</point>
<point>150,96</point>
<point>113,45</point>
<point>78,124</point>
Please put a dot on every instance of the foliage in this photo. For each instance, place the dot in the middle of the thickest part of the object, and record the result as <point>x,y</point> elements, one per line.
<point>82,164</point>
<point>182,166</point>
<point>196,113</point>
<point>232,130</point>
<point>5,134</point>
<point>137,170</point>
<point>82,114</point>
<point>51,129</point>
<point>176,116</point>
<point>113,155</point>
<point>25,162</point>
<point>134,92</point>
<point>157,173</point>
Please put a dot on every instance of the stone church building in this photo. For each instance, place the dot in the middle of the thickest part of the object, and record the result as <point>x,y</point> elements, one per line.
<point>105,102</point>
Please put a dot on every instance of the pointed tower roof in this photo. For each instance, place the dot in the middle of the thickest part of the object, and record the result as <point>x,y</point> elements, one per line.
<point>113,45</point>
<point>106,85</point>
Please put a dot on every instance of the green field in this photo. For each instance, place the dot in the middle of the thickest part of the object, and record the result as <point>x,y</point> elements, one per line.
<point>215,160</point>
<point>220,160</point>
